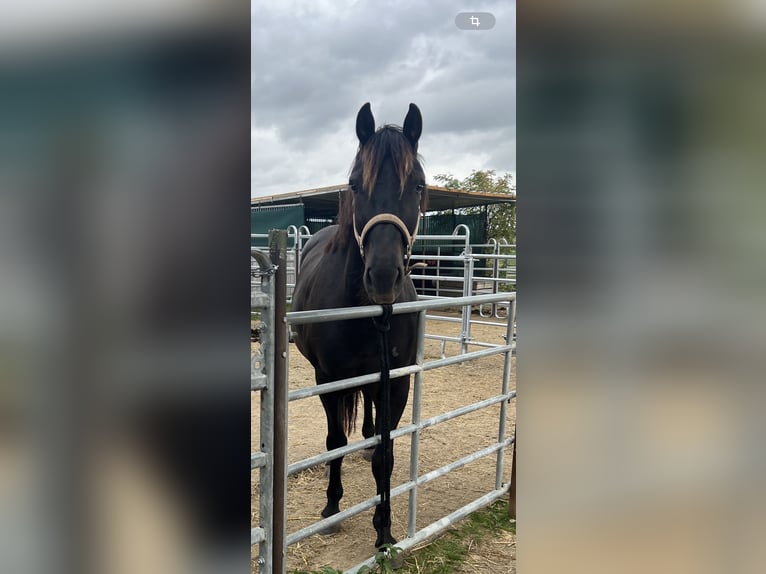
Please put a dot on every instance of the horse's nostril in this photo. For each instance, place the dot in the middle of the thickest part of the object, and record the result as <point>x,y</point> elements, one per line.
<point>383,278</point>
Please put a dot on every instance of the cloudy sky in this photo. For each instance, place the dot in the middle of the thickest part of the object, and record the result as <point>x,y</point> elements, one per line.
<point>315,62</point>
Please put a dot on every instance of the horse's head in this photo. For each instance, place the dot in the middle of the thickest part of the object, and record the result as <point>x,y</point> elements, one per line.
<point>388,192</point>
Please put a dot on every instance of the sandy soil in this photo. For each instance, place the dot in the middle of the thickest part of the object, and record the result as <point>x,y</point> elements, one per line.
<point>443,390</point>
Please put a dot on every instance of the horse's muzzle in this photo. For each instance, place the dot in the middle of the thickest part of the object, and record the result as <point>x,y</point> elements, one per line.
<point>383,284</point>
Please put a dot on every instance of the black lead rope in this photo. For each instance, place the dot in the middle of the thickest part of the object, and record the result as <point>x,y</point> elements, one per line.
<point>384,404</point>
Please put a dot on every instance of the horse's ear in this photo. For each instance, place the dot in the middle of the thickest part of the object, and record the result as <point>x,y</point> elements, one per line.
<point>365,123</point>
<point>413,126</point>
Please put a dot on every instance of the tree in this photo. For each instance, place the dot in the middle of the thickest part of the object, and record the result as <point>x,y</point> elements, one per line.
<point>501,217</point>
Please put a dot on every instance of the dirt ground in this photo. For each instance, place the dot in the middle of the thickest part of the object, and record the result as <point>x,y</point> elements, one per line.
<point>443,390</point>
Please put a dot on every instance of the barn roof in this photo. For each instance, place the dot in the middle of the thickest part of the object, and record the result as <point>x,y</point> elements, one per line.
<point>322,202</point>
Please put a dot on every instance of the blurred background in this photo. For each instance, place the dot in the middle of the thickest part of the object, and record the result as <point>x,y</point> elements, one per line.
<point>124,266</point>
<point>642,287</point>
<point>124,362</point>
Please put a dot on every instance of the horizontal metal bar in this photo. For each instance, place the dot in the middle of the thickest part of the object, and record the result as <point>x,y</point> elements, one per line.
<point>349,383</point>
<point>399,372</point>
<point>500,280</point>
<point>441,290</point>
<point>440,525</point>
<point>460,411</point>
<point>442,318</point>
<point>258,459</point>
<point>257,535</point>
<point>458,320</point>
<point>442,258</point>
<point>460,238</point>
<point>461,462</point>
<point>479,255</point>
<point>310,462</point>
<point>445,338</point>
<point>437,297</point>
<point>401,489</point>
<point>324,457</point>
<point>352,382</point>
<point>461,340</point>
<point>467,357</point>
<point>344,515</point>
<point>258,382</point>
<point>326,315</point>
<point>445,278</point>
<point>489,323</point>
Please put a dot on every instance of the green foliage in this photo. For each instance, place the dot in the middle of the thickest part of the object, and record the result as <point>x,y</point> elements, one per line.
<point>384,561</point>
<point>501,218</point>
<point>446,554</point>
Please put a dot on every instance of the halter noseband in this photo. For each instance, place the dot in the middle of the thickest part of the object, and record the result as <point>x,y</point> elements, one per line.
<point>387,218</point>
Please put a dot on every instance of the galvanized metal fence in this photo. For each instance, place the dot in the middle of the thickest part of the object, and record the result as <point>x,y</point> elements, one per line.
<point>413,429</point>
<point>296,239</point>
<point>262,299</point>
<point>477,269</point>
<point>456,267</point>
<point>276,343</point>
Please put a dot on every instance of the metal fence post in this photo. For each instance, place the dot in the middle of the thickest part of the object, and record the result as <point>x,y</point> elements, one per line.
<point>512,492</point>
<point>417,393</point>
<point>465,336</point>
<point>504,404</point>
<point>496,276</point>
<point>438,269</point>
<point>262,380</point>
<point>278,255</point>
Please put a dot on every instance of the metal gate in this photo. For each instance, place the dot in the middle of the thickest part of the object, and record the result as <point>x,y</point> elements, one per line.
<point>413,428</point>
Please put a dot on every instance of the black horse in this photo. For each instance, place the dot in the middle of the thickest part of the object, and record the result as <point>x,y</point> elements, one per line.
<point>364,260</point>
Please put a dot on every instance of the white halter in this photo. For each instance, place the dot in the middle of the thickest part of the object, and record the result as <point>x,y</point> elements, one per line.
<point>388,218</point>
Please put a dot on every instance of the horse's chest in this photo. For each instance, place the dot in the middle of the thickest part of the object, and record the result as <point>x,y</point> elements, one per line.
<point>356,346</point>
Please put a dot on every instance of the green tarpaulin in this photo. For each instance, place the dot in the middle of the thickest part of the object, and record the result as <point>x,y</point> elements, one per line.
<point>263,220</point>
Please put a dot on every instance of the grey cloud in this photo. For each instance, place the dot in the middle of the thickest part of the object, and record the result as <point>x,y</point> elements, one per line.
<point>312,71</point>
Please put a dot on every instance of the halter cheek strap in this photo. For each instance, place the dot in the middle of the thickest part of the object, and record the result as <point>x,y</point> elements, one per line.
<point>387,218</point>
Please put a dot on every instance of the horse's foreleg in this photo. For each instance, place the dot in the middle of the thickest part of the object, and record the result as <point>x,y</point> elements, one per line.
<point>400,388</point>
<point>336,438</point>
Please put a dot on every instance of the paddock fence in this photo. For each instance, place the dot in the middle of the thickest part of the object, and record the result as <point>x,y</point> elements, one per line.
<point>455,268</point>
<point>278,539</point>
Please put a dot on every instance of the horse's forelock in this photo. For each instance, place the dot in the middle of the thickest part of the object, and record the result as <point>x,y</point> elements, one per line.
<point>388,141</point>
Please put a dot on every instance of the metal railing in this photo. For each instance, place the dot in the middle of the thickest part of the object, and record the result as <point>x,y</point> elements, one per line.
<point>413,429</point>
<point>297,237</point>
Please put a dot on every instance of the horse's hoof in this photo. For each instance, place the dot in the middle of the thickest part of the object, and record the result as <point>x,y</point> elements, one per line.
<point>334,529</point>
<point>367,453</point>
<point>381,541</point>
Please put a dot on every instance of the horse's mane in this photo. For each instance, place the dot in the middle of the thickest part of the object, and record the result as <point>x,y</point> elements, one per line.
<point>387,142</point>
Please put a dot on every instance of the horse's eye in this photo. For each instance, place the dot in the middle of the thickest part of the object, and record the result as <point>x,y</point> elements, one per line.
<point>420,188</point>
<point>353,187</point>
